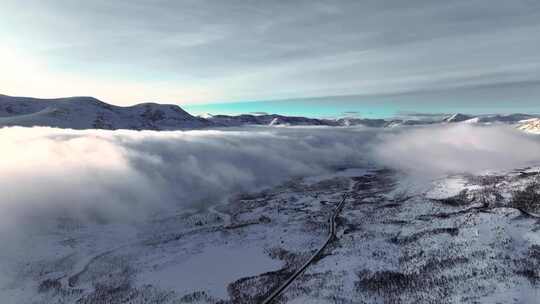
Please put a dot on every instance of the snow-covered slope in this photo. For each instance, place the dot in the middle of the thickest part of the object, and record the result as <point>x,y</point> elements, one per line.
<point>267,120</point>
<point>530,125</point>
<point>509,118</point>
<point>458,117</point>
<point>278,120</point>
<point>91,113</point>
<point>458,239</point>
<point>376,123</point>
<point>487,118</point>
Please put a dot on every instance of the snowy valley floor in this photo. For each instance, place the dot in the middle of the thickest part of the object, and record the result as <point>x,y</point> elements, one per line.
<point>459,239</point>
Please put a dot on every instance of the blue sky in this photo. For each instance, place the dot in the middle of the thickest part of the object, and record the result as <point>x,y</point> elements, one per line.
<point>195,52</point>
<point>521,97</point>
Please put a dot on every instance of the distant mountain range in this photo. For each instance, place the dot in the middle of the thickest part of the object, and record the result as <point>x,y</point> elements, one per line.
<point>91,113</point>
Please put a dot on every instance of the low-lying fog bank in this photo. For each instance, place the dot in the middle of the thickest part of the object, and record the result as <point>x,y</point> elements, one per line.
<point>104,175</point>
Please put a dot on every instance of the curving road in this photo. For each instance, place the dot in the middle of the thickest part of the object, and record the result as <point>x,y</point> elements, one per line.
<point>297,273</point>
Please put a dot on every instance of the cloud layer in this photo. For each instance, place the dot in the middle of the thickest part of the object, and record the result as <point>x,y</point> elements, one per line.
<point>180,51</point>
<point>103,175</point>
<point>460,148</point>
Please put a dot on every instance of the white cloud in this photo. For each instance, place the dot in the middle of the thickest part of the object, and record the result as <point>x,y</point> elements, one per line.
<point>104,175</point>
<point>460,148</point>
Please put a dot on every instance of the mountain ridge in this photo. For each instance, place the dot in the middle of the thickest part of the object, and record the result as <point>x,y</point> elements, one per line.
<point>91,113</point>
<point>86,112</point>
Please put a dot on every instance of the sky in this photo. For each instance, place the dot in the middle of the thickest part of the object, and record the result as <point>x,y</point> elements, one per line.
<point>201,51</point>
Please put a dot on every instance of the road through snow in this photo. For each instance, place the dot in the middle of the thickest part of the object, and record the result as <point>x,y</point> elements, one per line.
<point>297,273</point>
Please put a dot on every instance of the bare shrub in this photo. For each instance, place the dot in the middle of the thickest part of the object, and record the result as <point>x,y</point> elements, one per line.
<point>461,199</point>
<point>49,285</point>
<point>527,199</point>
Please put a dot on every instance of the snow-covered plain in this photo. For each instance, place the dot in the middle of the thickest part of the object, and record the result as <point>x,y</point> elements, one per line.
<point>211,270</point>
<point>224,216</point>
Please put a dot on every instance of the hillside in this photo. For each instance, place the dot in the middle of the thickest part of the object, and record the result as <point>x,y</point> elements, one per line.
<point>91,113</point>
<point>530,125</point>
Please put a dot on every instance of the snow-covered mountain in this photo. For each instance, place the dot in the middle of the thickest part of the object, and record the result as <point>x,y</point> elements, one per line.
<point>277,120</point>
<point>509,118</point>
<point>91,113</point>
<point>376,123</point>
<point>453,118</point>
<point>268,120</point>
<point>530,125</point>
<point>487,118</point>
<point>457,117</point>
